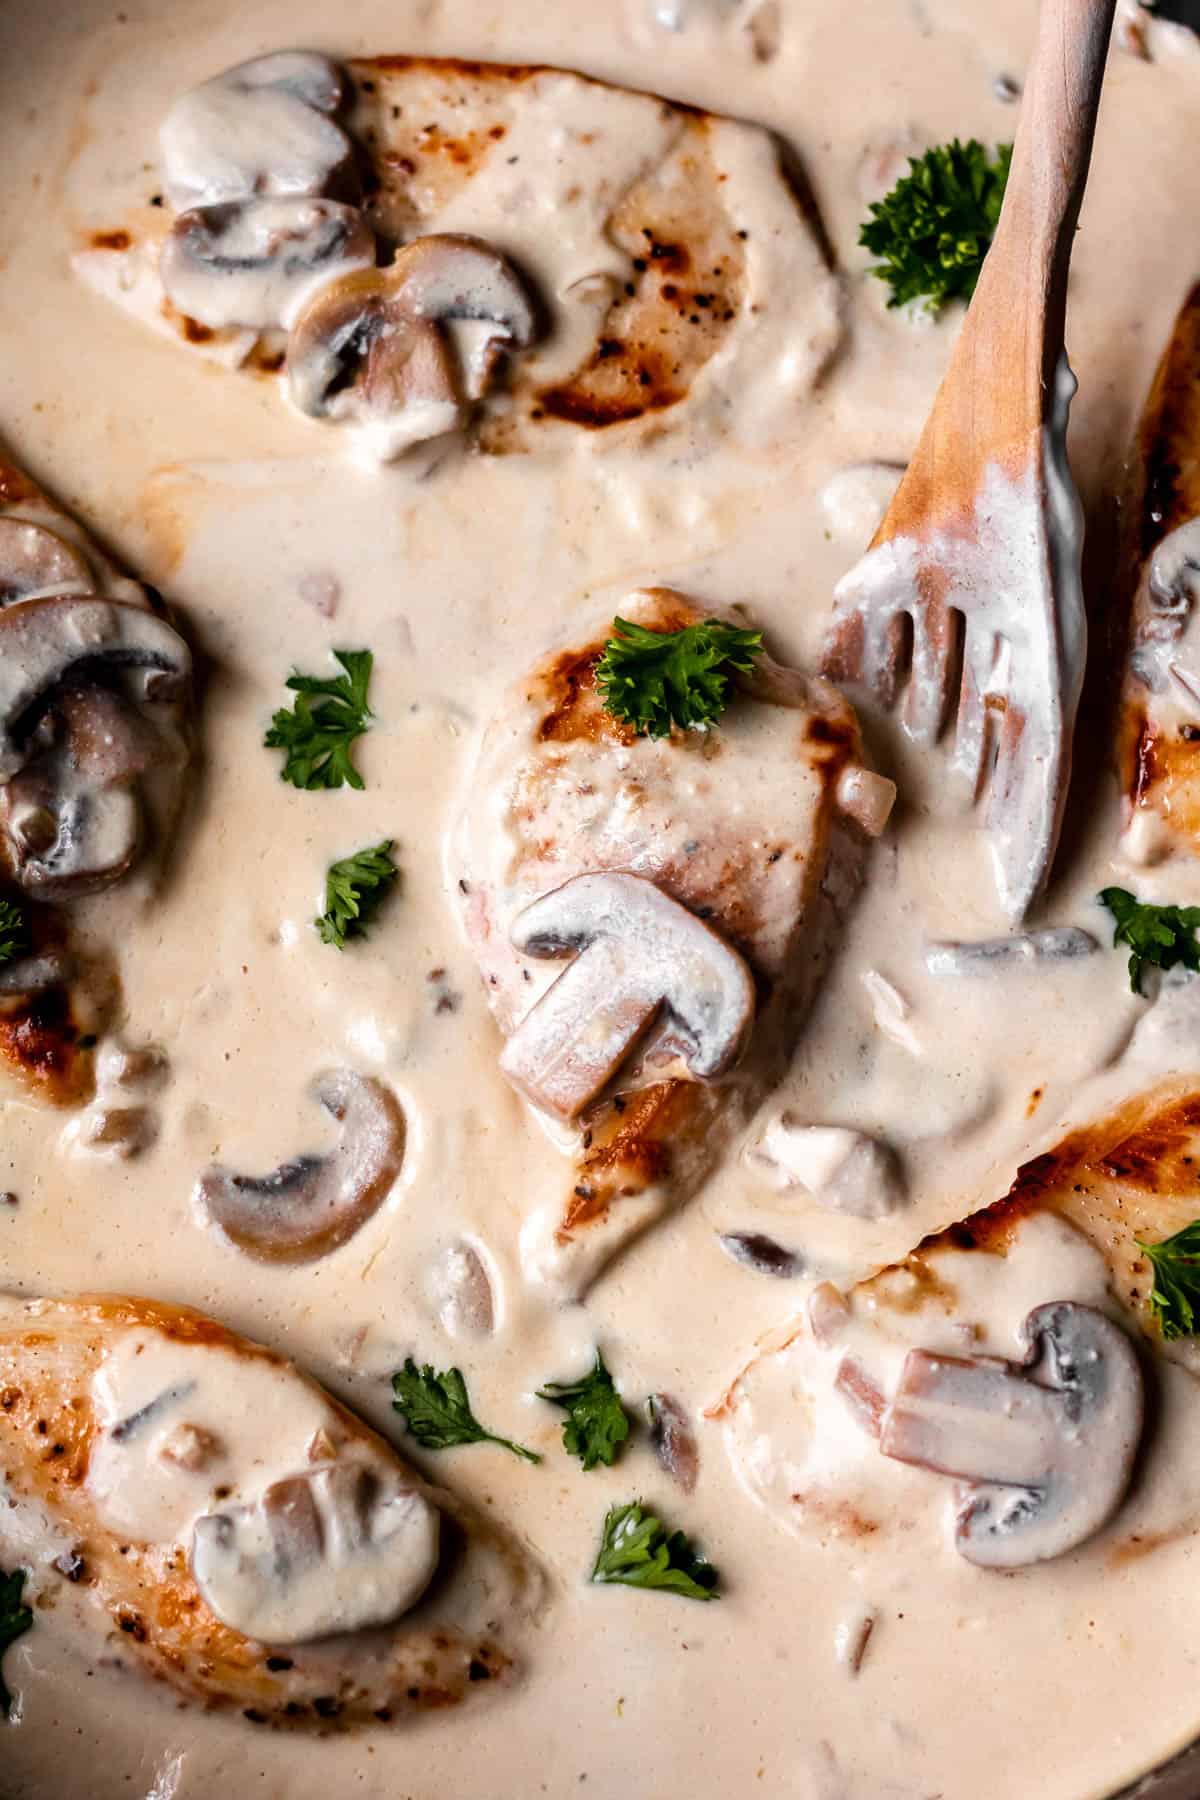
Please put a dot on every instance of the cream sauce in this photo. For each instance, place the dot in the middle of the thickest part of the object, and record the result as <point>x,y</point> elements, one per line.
<point>276,547</point>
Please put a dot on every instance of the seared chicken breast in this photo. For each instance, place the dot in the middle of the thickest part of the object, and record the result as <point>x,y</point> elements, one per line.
<point>750,827</point>
<point>224,1526</point>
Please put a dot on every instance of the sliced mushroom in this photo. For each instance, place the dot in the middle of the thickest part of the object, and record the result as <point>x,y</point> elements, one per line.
<point>43,642</point>
<point>453,280</point>
<point>338,1548</point>
<point>845,1170</point>
<point>373,349</point>
<point>305,1208</point>
<point>1062,944</point>
<point>257,262</point>
<point>754,1250</point>
<point>673,1440</point>
<point>637,953</point>
<point>1046,1446</point>
<point>72,817</point>
<point>264,127</point>
<point>35,560</point>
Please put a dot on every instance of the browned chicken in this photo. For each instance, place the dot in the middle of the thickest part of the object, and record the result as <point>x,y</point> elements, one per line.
<point>676,233</point>
<point>1159,736</point>
<point>226,1527</point>
<point>95,688</point>
<point>749,828</point>
<point>972,1359</point>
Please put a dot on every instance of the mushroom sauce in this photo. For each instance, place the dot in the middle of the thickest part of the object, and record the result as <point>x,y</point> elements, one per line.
<point>853,1654</point>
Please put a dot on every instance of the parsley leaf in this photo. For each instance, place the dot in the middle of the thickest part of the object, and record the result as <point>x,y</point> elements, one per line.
<point>437,1412</point>
<point>1175,1297</point>
<point>655,679</point>
<point>933,230</point>
<point>329,714</point>
<point>14,1620</point>
<point>596,1421</point>
<point>14,931</point>
<point>637,1550</point>
<point>355,889</point>
<point>1162,935</point>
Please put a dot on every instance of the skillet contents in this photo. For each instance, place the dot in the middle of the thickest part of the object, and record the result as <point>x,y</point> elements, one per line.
<point>424,485</point>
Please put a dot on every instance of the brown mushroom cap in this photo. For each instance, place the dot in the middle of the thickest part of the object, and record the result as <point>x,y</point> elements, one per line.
<point>263,127</point>
<point>35,560</point>
<point>310,1206</point>
<point>45,641</point>
<point>1046,1447</point>
<point>338,1548</point>
<point>74,750</point>
<point>637,952</point>
<point>374,347</point>
<point>255,263</point>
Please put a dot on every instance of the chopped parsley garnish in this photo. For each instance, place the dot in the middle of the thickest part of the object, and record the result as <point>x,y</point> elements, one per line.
<point>1175,1297</point>
<point>638,1551</point>
<point>438,1413</point>
<point>329,714</point>
<point>596,1421</point>
<point>15,1619</point>
<point>355,889</point>
<point>933,230</point>
<point>655,679</point>
<point>14,931</point>
<point>1162,935</point>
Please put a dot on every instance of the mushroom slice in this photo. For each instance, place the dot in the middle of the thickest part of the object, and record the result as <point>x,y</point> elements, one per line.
<point>72,817</point>
<point>637,953</point>
<point>35,560</point>
<point>264,127</point>
<point>336,1549</point>
<point>372,348</point>
<point>461,281</point>
<point>305,1208</point>
<point>1047,1446</point>
<point>43,641</point>
<point>256,262</point>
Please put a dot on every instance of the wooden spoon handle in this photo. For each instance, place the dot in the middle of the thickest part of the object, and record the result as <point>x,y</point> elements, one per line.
<point>1021,298</point>
<point>998,391</point>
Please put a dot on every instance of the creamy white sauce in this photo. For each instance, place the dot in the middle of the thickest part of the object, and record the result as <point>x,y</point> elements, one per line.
<point>457,572</point>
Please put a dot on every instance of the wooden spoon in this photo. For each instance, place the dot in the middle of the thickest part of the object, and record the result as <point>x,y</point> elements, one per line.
<point>968,604</point>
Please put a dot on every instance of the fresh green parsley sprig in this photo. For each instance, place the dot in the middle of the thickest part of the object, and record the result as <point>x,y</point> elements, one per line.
<point>15,1619</point>
<point>14,931</point>
<point>637,1550</point>
<point>1175,1297</point>
<point>318,731</point>
<point>596,1422</point>
<point>655,679</point>
<point>355,889</point>
<point>438,1413</point>
<point>1162,935</point>
<point>933,230</point>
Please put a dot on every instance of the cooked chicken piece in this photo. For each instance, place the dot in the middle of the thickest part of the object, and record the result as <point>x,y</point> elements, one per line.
<point>677,236</point>
<point>95,688</point>
<point>235,1532</point>
<point>907,1364</point>
<point>1159,737</point>
<point>747,828</point>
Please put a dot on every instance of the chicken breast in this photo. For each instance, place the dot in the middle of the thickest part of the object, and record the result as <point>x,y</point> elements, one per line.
<point>747,826</point>
<point>803,1421</point>
<point>1159,734</point>
<point>221,1524</point>
<point>676,237</point>
<point>95,694</point>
